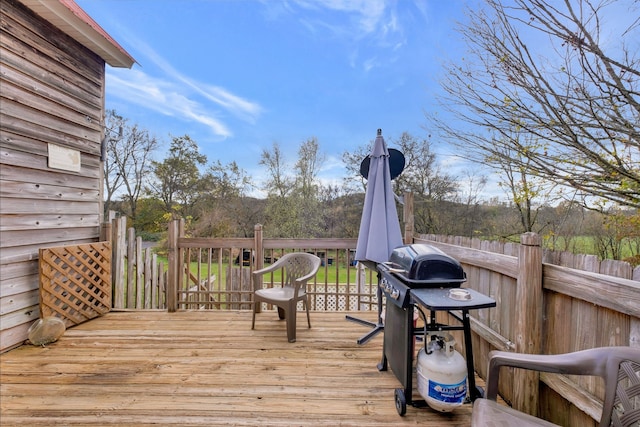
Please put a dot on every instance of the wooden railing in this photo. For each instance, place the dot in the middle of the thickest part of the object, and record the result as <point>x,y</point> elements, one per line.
<point>209,273</point>
<point>215,273</point>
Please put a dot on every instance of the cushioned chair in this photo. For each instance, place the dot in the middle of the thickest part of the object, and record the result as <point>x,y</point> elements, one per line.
<point>619,366</point>
<point>297,269</point>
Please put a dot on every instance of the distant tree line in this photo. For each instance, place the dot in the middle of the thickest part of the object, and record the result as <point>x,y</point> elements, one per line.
<point>215,199</point>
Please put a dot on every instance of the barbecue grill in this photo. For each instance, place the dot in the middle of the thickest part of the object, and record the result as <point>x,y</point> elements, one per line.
<point>423,276</point>
<point>418,266</point>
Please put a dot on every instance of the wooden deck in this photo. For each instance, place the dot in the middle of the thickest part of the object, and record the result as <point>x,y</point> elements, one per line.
<point>206,368</point>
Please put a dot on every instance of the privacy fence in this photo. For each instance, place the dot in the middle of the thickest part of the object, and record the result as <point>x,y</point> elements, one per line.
<point>547,303</point>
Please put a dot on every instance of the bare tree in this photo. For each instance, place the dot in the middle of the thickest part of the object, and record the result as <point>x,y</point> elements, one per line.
<point>128,160</point>
<point>278,182</point>
<point>567,75</point>
<point>468,212</point>
<point>422,176</point>
<point>112,147</point>
<point>354,181</point>
<point>526,190</point>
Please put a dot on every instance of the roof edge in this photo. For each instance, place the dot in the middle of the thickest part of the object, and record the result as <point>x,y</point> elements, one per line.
<point>70,18</point>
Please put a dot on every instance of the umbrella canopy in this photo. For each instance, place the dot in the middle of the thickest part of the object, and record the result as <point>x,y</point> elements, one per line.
<point>379,227</point>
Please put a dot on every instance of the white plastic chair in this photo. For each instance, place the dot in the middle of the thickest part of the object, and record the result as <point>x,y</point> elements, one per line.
<point>297,269</point>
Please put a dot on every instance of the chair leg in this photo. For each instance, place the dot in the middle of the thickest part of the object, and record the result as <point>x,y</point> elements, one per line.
<point>253,318</point>
<point>306,304</point>
<point>291,323</point>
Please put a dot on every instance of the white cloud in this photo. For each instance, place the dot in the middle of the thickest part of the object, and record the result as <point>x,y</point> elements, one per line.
<point>173,93</point>
<point>358,23</point>
<point>365,16</point>
<point>163,96</point>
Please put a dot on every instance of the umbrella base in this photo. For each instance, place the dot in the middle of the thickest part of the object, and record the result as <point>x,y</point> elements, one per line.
<point>377,328</point>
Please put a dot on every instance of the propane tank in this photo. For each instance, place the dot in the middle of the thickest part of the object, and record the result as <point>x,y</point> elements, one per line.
<point>442,373</point>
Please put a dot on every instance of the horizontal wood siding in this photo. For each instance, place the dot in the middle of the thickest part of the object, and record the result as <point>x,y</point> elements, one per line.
<point>51,91</point>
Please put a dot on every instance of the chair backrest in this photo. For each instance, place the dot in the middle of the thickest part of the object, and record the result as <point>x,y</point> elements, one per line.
<point>298,265</point>
<point>622,389</point>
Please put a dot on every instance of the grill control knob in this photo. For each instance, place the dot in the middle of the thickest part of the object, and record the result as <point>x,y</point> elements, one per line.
<point>384,284</point>
<point>395,294</point>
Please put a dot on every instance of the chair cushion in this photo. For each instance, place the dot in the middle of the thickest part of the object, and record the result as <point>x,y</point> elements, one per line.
<point>488,413</point>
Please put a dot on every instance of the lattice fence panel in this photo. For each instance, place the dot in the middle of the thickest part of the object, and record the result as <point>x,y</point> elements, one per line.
<point>75,282</point>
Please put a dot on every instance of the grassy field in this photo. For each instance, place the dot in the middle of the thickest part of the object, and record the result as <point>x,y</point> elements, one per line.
<point>589,245</point>
<point>326,274</point>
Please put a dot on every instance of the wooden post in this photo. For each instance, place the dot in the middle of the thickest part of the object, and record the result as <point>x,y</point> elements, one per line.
<point>105,232</point>
<point>118,242</point>
<point>132,265</point>
<point>139,270</point>
<point>529,307</point>
<point>407,214</point>
<point>257,244</point>
<point>173,267</point>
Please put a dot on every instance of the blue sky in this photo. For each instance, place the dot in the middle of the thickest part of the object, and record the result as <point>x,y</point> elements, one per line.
<point>239,75</point>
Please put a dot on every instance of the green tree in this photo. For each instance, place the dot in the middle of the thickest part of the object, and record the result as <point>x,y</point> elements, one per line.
<point>151,217</point>
<point>281,211</point>
<point>307,188</point>
<point>293,208</point>
<point>224,208</point>
<point>178,182</point>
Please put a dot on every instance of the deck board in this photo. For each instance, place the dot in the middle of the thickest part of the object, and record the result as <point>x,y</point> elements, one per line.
<point>206,368</point>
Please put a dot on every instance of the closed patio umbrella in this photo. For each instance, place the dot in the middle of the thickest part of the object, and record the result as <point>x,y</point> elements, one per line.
<point>379,226</point>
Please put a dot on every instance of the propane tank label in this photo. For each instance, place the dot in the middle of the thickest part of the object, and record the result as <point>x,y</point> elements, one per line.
<point>448,393</point>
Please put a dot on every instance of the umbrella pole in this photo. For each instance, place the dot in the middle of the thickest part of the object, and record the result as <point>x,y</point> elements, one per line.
<point>376,327</point>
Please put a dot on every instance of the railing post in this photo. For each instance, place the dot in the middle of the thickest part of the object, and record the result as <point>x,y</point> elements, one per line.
<point>132,265</point>
<point>259,262</point>
<point>173,267</point>
<point>118,242</point>
<point>529,308</point>
<point>407,214</point>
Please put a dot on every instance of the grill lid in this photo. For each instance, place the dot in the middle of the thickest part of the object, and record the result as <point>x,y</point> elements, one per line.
<point>424,264</point>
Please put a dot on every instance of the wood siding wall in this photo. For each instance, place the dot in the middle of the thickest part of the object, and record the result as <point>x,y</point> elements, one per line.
<point>51,91</point>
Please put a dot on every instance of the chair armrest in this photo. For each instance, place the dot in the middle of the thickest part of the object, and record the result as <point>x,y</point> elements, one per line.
<point>584,362</point>
<point>268,269</point>
<point>273,267</point>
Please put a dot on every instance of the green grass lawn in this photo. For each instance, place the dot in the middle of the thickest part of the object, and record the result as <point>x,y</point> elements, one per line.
<point>585,245</point>
<point>326,274</point>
